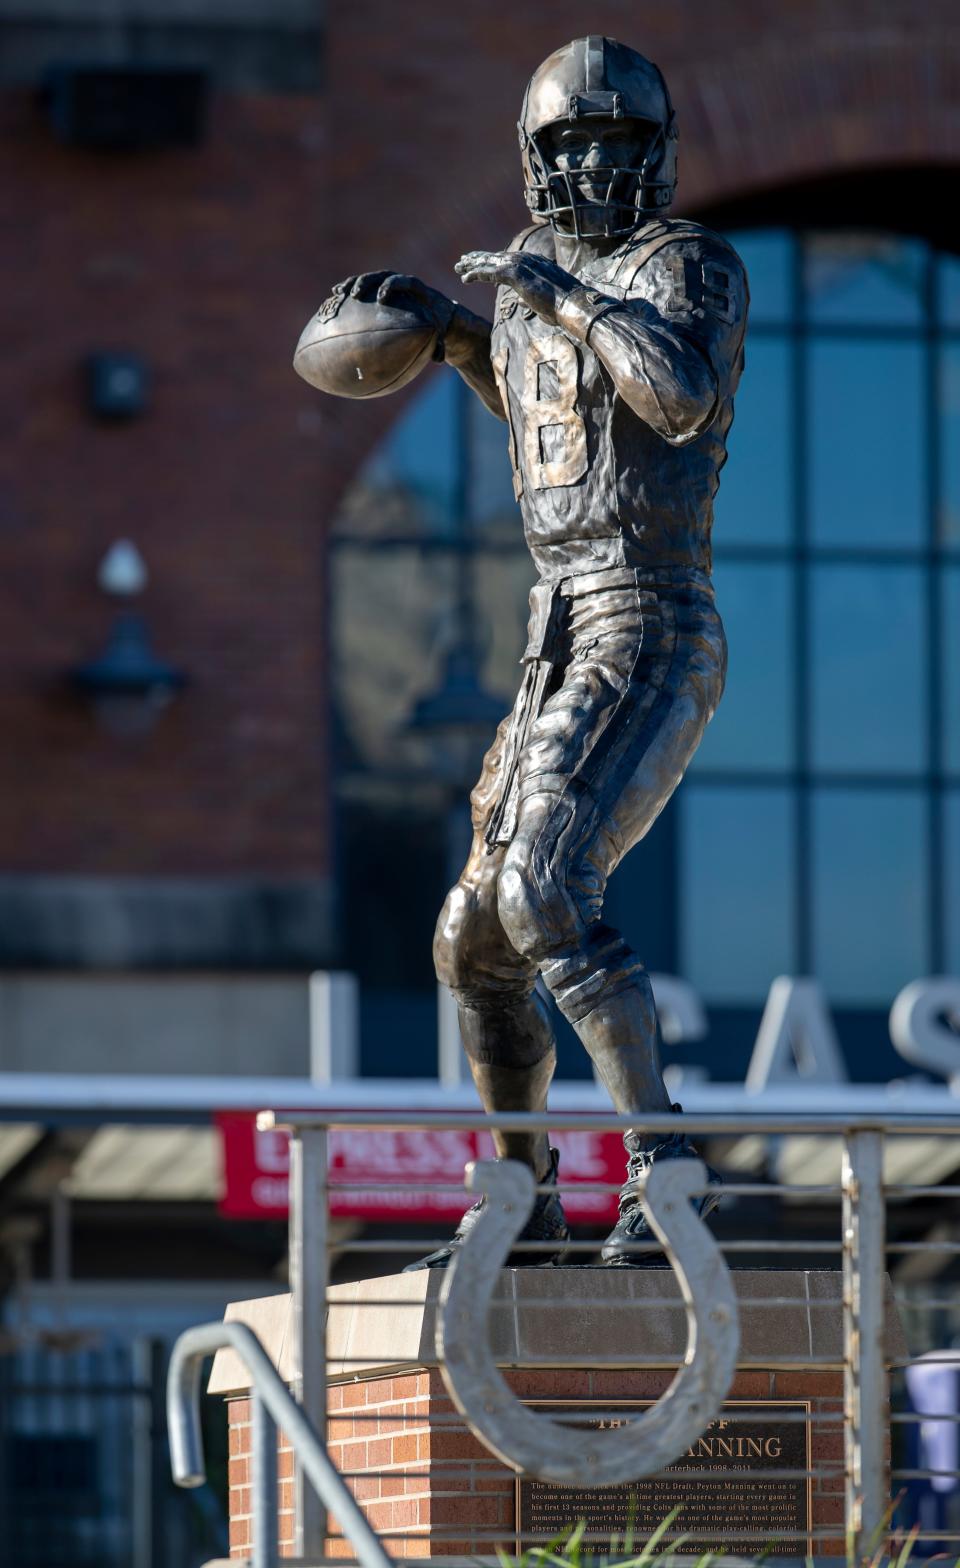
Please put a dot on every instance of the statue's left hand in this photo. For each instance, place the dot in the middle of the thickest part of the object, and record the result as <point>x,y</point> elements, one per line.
<point>540,283</point>
<point>402,290</point>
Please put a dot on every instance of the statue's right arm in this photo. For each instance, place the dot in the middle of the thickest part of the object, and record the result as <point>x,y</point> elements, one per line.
<point>467,349</point>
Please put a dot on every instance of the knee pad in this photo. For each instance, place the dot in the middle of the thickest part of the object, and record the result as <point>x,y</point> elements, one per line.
<point>451,939</point>
<point>536,910</point>
<point>600,968</point>
<point>472,955</point>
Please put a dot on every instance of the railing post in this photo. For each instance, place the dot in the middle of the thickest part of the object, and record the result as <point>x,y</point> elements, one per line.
<point>308,1284</point>
<point>263,1433</point>
<point>865,1424</point>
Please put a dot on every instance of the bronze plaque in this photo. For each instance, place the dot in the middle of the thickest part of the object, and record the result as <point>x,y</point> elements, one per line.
<point>720,1485</point>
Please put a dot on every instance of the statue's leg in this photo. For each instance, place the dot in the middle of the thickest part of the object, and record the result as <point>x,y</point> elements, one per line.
<point>505,1026</point>
<point>504,1023</point>
<point>601,762</point>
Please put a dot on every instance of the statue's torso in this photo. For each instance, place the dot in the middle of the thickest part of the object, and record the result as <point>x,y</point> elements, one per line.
<point>597,486</point>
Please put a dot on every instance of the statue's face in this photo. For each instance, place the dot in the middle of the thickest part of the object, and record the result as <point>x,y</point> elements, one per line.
<point>603,158</point>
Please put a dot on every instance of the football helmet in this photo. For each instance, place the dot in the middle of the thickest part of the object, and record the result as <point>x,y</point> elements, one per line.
<point>597,77</point>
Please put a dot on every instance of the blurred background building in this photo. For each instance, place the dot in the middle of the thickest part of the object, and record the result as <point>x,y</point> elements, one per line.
<point>231,608</point>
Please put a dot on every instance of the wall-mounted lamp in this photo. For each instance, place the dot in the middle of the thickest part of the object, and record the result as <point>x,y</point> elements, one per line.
<point>459,718</point>
<point>127,684</point>
<point>117,385</point>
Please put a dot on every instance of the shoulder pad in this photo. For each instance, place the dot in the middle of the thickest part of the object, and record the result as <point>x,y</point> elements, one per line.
<point>538,239</point>
<point>665,231</point>
<point>673,232</point>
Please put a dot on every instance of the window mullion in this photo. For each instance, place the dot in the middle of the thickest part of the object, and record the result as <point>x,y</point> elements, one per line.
<point>800,459</point>
<point>936,915</point>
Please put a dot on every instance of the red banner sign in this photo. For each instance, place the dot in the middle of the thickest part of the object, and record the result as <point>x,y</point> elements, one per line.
<point>403,1172</point>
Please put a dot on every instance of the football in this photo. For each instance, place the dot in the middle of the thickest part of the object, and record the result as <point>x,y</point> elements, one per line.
<point>362,348</point>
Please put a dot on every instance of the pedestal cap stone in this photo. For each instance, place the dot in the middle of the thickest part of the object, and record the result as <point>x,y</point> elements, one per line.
<point>562,1317</point>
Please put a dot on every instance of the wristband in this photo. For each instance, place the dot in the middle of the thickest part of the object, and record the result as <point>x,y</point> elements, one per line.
<point>580,310</point>
<point>440,348</point>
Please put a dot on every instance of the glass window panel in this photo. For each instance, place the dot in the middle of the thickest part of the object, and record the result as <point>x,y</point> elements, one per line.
<point>766,254</point>
<point>866,473</point>
<point>868,668</point>
<point>869,893</point>
<point>948,278</point>
<point>753,726</point>
<point>753,503</point>
<point>950,440</point>
<point>952,879</point>
<point>502,583</point>
<point>736,876</point>
<point>391,622</point>
<point>864,278</point>
<point>409,484</point>
<point>950,617</point>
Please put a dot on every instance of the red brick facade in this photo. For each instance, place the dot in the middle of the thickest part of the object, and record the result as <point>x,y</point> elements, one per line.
<point>207,262</point>
<point>432,1490</point>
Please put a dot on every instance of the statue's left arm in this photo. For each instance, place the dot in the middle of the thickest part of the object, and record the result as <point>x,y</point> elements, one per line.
<point>467,349</point>
<point>671,356</point>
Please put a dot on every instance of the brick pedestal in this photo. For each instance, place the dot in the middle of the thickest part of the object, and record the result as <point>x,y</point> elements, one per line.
<point>426,1481</point>
<point>430,1488</point>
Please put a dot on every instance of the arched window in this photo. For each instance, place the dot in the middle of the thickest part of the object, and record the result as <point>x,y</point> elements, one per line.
<point>818,831</point>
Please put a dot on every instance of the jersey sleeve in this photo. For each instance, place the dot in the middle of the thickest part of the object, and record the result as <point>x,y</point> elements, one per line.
<point>673,342</point>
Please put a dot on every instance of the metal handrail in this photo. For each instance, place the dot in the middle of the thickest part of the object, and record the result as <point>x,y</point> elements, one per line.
<point>753,1117</point>
<point>272,1406</point>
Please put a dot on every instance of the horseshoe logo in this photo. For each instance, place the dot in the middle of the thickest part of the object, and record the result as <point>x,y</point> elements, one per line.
<point>534,1444</point>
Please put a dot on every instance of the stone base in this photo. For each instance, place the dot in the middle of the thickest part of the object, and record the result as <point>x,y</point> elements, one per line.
<point>431,1489</point>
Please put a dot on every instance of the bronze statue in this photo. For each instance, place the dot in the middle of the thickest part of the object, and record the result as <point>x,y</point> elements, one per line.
<point>614,357</point>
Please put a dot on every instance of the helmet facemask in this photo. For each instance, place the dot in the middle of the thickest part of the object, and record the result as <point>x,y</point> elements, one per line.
<point>597,200</point>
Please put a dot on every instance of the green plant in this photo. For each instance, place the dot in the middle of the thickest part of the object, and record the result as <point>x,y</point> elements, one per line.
<point>566,1550</point>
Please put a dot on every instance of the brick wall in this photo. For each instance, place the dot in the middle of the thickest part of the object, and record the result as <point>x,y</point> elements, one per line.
<point>432,1489</point>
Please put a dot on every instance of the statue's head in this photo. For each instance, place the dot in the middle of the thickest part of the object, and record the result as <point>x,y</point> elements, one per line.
<point>598,137</point>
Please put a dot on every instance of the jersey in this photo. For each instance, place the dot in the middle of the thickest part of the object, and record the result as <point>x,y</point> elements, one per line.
<point>597,485</point>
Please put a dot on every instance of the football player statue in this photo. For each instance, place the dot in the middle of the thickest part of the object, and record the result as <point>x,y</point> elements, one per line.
<point>613,359</point>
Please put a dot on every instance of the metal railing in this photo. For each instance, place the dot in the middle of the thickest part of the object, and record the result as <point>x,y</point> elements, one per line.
<point>844,1223</point>
<point>272,1407</point>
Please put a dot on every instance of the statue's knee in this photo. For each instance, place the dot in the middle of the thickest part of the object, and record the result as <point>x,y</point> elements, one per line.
<point>533,912</point>
<point>469,947</point>
<point>449,939</point>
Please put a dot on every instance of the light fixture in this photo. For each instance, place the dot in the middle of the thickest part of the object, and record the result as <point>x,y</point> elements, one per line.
<point>460,717</point>
<point>127,685</point>
<point>118,385</point>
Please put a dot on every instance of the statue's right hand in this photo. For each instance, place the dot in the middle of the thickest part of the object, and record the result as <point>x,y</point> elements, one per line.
<point>362,285</point>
